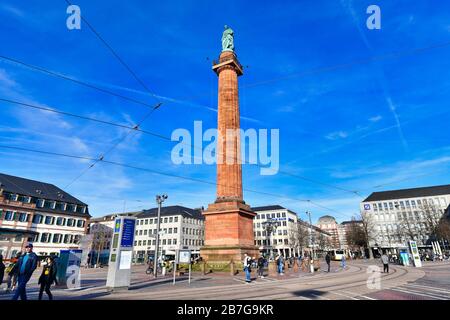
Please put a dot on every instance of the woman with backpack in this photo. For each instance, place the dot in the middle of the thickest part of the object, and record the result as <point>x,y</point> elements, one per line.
<point>47,278</point>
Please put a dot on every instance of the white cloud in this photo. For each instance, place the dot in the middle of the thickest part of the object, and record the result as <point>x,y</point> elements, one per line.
<point>375,118</point>
<point>5,80</point>
<point>337,135</point>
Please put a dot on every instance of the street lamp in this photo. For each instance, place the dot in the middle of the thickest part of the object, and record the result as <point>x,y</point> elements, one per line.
<point>159,201</point>
<point>270,226</point>
<point>311,241</point>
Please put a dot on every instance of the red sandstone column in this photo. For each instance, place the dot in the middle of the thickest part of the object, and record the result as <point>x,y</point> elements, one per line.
<point>229,170</point>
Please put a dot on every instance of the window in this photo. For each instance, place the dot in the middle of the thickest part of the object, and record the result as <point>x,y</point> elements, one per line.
<point>49,220</point>
<point>144,242</point>
<point>263,216</point>
<point>23,198</point>
<point>175,230</point>
<point>146,221</point>
<point>170,230</point>
<point>284,223</point>
<point>140,232</point>
<point>285,232</point>
<point>60,221</point>
<point>66,238</point>
<point>40,203</point>
<point>175,219</point>
<point>60,206</point>
<point>80,209</point>
<point>23,217</point>
<point>49,204</point>
<point>70,222</point>
<point>45,237</point>
<point>140,242</point>
<point>57,238</point>
<point>145,232</point>
<point>37,218</point>
<point>169,242</point>
<point>80,223</point>
<point>278,215</point>
<point>165,220</point>
<point>9,215</point>
<point>171,219</point>
<point>70,207</point>
<point>174,241</point>
<point>164,242</point>
<point>391,206</point>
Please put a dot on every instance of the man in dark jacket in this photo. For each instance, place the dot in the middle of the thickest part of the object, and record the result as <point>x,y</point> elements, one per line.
<point>25,267</point>
<point>261,264</point>
<point>328,260</point>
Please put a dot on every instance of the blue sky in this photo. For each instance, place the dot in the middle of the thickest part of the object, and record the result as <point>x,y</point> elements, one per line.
<point>383,122</point>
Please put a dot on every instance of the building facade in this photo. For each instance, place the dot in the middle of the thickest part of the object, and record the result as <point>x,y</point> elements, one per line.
<point>41,213</point>
<point>292,236</point>
<point>180,228</point>
<point>407,214</point>
<point>329,224</point>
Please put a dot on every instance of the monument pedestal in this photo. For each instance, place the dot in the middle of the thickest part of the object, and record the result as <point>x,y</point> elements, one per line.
<point>229,234</point>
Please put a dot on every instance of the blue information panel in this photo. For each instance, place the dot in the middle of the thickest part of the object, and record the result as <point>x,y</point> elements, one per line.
<point>127,233</point>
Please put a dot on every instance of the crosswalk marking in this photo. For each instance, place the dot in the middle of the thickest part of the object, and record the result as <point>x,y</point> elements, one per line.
<point>418,293</point>
<point>427,288</point>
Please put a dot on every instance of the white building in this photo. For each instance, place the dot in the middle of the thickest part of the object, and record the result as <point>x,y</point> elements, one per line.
<point>41,213</point>
<point>284,239</point>
<point>400,215</point>
<point>180,228</point>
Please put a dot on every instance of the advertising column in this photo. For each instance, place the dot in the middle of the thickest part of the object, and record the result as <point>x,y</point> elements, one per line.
<point>119,270</point>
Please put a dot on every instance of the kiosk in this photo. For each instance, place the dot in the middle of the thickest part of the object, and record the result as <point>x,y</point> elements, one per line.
<point>119,270</point>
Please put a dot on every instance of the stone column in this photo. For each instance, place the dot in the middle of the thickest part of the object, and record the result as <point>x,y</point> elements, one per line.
<point>228,221</point>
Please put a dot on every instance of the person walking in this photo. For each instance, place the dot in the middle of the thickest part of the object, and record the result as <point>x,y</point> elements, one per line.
<point>261,263</point>
<point>280,264</point>
<point>2,269</point>
<point>385,261</point>
<point>25,267</point>
<point>47,278</point>
<point>343,262</point>
<point>247,268</point>
<point>11,270</point>
<point>328,260</point>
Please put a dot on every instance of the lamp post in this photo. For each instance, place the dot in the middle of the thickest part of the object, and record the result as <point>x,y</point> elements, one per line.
<point>159,200</point>
<point>270,226</point>
<point>311,241</point>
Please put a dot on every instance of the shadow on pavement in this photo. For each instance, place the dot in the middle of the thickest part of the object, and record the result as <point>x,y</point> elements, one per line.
<point>312,294</point>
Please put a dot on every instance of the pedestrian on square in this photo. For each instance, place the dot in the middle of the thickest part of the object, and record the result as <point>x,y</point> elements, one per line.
<point>247,267</point>
<point>261,263</point>
<point>11,270</point>
<point>385,261</point>
<point>343,262</point>
<point>2,269</point>
<point>328,260</point>
<point>47,278</point>
<point>280,264</point>
<point>25,267</point>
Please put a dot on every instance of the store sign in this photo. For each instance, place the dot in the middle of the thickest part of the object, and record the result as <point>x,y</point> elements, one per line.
<point>184,256</point>
<point>367,206</point>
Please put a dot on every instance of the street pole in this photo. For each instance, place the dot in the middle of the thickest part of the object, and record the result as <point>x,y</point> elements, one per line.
<point>159,201</point>
<point>311,241</point>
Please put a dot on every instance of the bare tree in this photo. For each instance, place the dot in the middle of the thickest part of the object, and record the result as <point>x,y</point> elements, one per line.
<point>368,230</point>
<point>101,237</point>
<point>355,235</point>
<point>432,215</point>
<point>299,236</point>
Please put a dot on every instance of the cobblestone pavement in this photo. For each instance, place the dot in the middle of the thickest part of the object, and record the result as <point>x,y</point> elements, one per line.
<point>430,282</point>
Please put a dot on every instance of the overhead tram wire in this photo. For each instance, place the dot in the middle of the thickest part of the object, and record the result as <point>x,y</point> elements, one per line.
<point>127,67</point>
<point>102,156</point>
<point>79,82</point>
<point>160,136</point>
<point>166,174</point>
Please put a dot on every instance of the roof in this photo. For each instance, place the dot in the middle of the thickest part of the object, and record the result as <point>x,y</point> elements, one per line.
<point>409,193</point>
<point>268,208</point>
<point>172,210</point>
<point>37,189</point>
<point>325,219</point>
